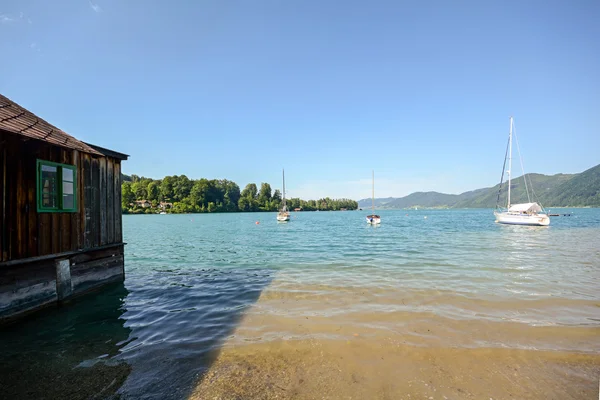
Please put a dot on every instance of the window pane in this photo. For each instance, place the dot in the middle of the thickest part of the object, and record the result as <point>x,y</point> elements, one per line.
<point>48,168</point>
<point>67,174</point>
<point>67,187</point>
<point>49,192</point>
<point>68,201</point>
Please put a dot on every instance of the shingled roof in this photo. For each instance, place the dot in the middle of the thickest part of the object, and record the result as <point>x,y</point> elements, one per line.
<point>16,119</point>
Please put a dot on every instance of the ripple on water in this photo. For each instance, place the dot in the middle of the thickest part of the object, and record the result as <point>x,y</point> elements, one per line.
<point>195,285</point>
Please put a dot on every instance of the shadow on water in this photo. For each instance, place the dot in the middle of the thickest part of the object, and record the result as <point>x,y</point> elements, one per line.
<point>152,337</point>
<point>179,319</point>
<point>66,352</point>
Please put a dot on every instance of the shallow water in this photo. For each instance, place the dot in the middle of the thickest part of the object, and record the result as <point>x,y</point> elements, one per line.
<point>205,294</point>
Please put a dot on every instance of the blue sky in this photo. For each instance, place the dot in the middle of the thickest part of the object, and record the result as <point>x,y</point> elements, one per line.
<point>420,92</point>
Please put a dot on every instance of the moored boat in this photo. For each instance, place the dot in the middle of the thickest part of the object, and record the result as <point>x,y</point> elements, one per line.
<point>283,215</point>
<point>530,213</point>
<point>373,219</point>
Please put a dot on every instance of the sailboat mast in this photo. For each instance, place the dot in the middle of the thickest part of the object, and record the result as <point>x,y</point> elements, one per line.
<point>509,158</point>
<point>283,170</point>
<point>373,193</point>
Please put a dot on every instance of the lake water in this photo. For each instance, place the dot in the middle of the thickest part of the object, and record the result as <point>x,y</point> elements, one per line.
<point>431,304</point>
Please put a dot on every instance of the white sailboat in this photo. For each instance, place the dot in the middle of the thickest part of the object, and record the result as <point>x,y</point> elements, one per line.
<point>283,215</point>
<point>530,213</point>
<point>373,219</point>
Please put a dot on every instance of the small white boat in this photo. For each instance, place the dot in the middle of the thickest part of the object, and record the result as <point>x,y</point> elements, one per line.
<point>530,213</point>
<point>373,219</point>
<point>283,215</point>
<point>163,213</point>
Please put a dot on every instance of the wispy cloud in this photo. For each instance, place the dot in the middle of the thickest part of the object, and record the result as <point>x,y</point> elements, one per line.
<point>6,19</point>
<point>11,18</point>
<point>95,7</point>
<point>34,46</point>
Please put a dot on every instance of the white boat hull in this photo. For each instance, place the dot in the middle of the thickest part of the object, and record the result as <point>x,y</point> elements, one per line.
<point>373,221</point>
<point>522,219</point>
<point>283,218</point>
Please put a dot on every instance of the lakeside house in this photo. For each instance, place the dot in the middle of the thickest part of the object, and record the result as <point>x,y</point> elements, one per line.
<point>143,203</point>
<point>165,206</point>
<point>60,213</point>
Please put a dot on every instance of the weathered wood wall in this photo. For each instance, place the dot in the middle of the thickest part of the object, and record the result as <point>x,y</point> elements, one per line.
<point>32,285</point>
<point>26,233</point>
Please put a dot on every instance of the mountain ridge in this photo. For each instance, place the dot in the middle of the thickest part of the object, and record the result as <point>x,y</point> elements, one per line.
<point>558,190</point>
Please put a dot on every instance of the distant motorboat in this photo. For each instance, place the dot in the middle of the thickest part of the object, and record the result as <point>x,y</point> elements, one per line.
<point>162,213</point>
<point>373,219</point>
<point>530,213</point>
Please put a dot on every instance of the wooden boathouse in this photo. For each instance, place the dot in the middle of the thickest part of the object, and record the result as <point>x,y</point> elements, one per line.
<point>60,214</point>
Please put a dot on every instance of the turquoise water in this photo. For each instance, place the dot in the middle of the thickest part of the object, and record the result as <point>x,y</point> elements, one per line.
<point>191,280</point>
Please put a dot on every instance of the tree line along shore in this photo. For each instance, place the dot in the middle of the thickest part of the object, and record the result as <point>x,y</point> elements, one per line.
<point>178,194</point>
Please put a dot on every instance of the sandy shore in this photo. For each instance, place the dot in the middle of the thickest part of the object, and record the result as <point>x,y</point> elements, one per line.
<point>292,346</point>
<point>362,369</point>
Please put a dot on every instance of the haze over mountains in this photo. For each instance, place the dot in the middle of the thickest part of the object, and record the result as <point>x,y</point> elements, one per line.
<point>560,190</point>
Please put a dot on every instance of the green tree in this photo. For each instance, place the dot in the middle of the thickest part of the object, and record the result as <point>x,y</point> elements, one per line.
<point>250,191</point>
<point>166,188</point>
<point>204,195</point>
<point>181,187</point>
<point>153,191</point>
<point>198,192</point>
<point>139,189</point>
<point>231,194</point>
<point>214,193</point>
<point>244,204</point>
<point>127,195</point>
<point>264,195</point>
<point>277,195</point>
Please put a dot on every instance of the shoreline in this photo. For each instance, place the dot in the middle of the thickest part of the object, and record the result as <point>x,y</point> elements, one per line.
<point>236,212</point>
<point>361,369</point>
<point>306,342</point>
<point>365,209</point>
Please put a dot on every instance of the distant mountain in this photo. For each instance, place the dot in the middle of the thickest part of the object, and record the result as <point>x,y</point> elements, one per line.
<point>379,202</point>
<point>424,199</point>
<point>560,190</point>
<point>581,190</point>
<point>541,189</point>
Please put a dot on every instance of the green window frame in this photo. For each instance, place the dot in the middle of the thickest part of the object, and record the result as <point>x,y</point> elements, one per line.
<point>56,187</point>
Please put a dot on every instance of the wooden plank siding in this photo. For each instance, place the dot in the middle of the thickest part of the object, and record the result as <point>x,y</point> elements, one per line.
<point>26,233</point>
<point>2,200</point>
<point>19,217</point>
<point>95,202</point>
<point>76,227</point>
<point>54,228</point>
<point>87,200</point>
<point>117,208</point>
<point>110,203</point>
<point>102,201</point>
<point>44,237</point>
<point>32,215</point>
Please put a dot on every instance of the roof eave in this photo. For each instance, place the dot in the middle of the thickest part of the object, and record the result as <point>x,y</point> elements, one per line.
<point>108,152</point>
<point>65,146</point>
